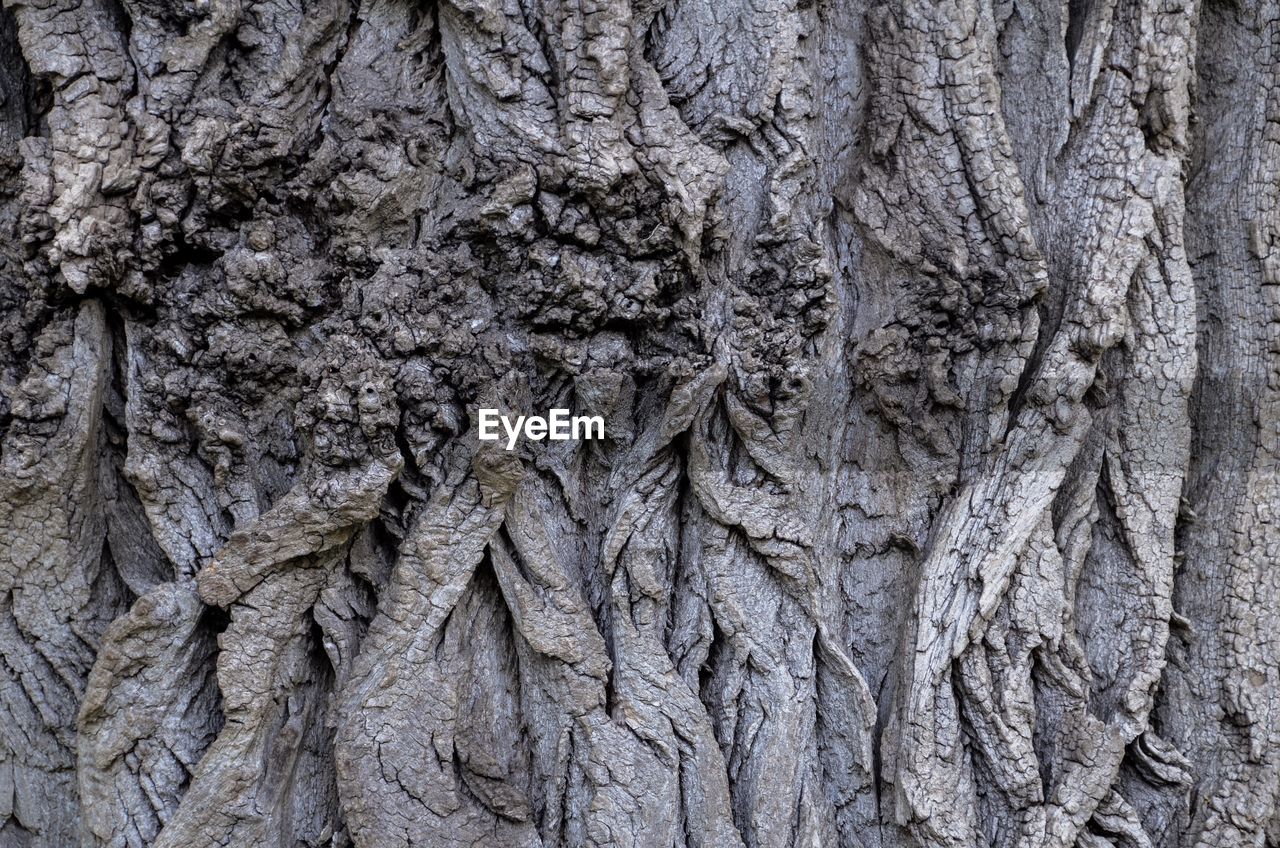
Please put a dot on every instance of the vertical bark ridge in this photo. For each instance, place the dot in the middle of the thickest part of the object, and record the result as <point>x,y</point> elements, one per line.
<point>58,592</point>
<point>1006,484</point>
<point>1225,669</point>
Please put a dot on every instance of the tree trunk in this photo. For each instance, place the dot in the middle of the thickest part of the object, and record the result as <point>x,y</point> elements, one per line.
<point>938,349</point>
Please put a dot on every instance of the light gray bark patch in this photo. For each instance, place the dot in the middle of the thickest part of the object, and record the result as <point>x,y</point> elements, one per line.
<point>1218,705</point>
<point>396,766</point>
<point>259,782</point>
<point>150,710</point>
<point>58,593</point>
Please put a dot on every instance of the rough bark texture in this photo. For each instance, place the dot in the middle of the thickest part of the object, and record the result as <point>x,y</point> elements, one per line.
<point>938,345</point>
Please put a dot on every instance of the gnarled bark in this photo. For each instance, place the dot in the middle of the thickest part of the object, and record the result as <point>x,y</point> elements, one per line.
<point>938,346</point>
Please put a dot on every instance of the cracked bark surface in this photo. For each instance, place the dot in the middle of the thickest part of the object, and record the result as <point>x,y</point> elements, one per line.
<point>938,346</point>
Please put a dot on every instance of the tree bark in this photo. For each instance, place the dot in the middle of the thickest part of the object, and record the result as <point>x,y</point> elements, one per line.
<point>938,346</point>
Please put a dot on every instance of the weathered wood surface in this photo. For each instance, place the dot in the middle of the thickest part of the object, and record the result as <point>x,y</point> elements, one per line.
<point>939,350</point>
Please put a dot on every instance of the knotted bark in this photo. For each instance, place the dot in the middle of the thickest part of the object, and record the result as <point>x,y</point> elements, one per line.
<point>938,349</point>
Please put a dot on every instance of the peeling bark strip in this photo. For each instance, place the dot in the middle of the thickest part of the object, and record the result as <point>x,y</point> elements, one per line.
<point>935,353</point>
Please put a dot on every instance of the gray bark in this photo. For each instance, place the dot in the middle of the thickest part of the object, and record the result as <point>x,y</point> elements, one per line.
<point>938,346</point>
